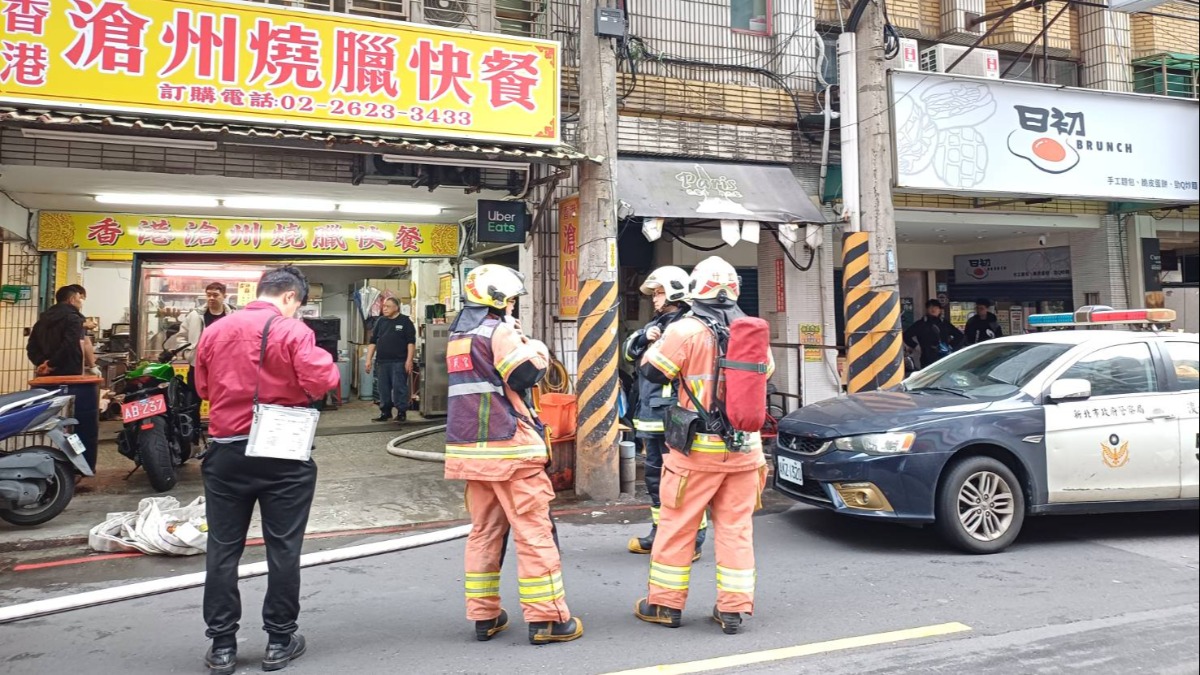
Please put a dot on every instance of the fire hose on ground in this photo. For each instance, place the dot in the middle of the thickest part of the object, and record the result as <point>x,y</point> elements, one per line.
<point>38,608</point>
<point>393,446</point>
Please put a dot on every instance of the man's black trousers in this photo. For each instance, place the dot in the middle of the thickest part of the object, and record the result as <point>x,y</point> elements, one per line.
<point>283,490</point>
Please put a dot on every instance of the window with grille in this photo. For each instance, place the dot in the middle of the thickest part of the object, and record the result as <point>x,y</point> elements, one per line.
<point>1167,75</point>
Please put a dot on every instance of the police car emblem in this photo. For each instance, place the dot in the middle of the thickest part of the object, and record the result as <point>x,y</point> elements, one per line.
<point>1115,453</point>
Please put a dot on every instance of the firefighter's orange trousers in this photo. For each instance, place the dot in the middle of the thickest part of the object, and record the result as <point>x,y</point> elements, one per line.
<point>521,505</point>
<point>734,497</point>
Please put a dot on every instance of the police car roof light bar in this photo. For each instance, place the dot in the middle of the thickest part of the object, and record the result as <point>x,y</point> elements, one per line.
<point>1095,315</point>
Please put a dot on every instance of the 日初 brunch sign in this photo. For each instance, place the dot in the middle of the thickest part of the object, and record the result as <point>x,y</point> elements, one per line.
<point>123,232</point>
<point>264,64</point>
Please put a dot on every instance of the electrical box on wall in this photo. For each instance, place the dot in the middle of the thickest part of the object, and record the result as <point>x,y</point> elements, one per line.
<point>610,22</point>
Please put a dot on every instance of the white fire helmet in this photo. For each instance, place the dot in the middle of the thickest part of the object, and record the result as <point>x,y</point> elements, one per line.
<point>714,279</point>
<point>673,280</point>
<point>492,286</point>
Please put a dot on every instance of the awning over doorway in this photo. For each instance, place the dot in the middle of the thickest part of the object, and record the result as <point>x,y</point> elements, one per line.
<point>714,191</point>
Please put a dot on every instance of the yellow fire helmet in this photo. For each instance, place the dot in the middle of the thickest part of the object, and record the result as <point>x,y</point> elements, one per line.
<point>493,286</point>
<point>671,279</point>
<point>714,279</point>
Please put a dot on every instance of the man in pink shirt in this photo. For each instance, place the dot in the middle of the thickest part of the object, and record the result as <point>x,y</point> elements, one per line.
<point>233,362</point>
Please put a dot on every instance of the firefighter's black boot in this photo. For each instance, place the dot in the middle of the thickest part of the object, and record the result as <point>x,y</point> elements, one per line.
<point>643,544</point>
<point>667,616</point>
<point>731,622</point>
<point>486,630</point>
<point>545,632</point>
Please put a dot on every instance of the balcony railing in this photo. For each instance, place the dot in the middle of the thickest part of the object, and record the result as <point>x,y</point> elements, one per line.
<point>1168,75</point>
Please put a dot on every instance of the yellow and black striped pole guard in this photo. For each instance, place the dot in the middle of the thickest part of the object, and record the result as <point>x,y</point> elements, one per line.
<point>596,466</point>
<point>874,358</point>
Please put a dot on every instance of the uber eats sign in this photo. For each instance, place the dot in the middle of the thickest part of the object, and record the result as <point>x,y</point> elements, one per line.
<point>501,222</point>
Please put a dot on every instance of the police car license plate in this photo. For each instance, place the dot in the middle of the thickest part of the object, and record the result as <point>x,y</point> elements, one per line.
<point>76,444</point>
<point>790,470</point>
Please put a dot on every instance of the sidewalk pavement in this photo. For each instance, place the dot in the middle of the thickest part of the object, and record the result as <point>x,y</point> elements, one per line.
<point>359,485</point>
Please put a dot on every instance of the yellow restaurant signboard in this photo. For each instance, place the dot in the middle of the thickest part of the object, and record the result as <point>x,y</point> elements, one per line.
<point>266,64</point>
<point>123,232</point>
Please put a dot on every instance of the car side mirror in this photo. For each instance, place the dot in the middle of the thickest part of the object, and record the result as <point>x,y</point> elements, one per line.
<point>1070,390</point>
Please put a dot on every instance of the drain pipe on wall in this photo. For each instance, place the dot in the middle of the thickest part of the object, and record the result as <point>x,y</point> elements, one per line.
<point>38,608</point>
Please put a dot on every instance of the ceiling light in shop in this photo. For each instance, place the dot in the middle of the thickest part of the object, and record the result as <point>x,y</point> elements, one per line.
<point>148,199</point>
<point>243,274</point>
<point>263,203</point>
<point>391,208</point>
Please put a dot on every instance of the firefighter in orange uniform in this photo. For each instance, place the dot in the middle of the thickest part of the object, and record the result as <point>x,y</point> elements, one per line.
<point>494,442</point>
<point>730,480</point>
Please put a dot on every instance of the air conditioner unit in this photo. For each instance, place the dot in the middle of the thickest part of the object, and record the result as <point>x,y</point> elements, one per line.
<point>449,13</point>
<point>956,20</point>
<point>979,63</point>
<point>908,58</point>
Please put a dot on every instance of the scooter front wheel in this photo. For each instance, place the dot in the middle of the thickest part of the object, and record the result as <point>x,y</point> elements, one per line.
<point>53,501</point>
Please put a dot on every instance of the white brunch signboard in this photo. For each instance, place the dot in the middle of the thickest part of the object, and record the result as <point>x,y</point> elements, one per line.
<point>994,137</point>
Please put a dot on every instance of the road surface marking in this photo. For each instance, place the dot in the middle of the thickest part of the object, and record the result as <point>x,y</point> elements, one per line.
<point>738,660</point>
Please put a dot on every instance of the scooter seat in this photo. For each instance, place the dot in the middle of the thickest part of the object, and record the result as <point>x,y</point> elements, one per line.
<point>19,398</point>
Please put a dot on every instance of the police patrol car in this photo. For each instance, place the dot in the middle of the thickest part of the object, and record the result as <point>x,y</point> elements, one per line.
<point>1067,421</point>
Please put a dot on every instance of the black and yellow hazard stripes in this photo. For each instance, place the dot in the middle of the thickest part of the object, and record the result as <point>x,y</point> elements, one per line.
<point>596,461</point>
<point>732,580</point>
<point>482,584</point>
<point>670,577</point>
<point>873,339</point>
<point>546,588</point>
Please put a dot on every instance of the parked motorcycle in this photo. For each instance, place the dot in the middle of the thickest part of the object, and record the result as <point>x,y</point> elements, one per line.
<point>38,481</point>
<point>161,414</point>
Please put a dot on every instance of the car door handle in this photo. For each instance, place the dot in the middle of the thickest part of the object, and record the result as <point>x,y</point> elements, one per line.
<point>1159,415</point>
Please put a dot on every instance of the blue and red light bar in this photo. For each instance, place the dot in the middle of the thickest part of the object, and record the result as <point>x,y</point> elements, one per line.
<point>1095,315</point>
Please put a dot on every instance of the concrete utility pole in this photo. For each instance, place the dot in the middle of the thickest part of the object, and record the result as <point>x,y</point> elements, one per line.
<point>871,278</point>
<point>596,466</point>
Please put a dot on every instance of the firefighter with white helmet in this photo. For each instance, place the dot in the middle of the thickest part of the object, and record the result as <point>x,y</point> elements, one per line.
<point>711,472</point>
<point>668,286</point>
<point>495,443</point>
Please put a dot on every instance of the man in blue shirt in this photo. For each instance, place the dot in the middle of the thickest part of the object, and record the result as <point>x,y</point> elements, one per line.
<point>393,346</point>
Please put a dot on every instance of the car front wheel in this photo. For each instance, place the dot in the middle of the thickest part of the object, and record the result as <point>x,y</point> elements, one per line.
<point>980,506</point>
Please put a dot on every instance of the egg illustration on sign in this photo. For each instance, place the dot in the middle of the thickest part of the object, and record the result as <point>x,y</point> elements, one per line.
<point>1048,154</point>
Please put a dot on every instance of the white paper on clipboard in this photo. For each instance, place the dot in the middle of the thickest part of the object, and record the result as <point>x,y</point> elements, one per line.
<point>282,432</point>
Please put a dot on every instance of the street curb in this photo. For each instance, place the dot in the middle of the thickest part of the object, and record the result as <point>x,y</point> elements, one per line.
<point>574,509</point>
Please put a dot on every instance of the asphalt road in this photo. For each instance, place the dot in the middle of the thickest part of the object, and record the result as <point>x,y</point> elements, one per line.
<point>1111,594</point>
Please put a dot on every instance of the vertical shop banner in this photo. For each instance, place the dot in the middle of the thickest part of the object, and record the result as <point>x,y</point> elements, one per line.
<point>262,63</point>
<point>124,232</point>
<point>568,258</point>
<point>1152,264</point>
<point>1016,321</point>
<point>780,288</point>
<point>812,334</point>
<point>446,290</point>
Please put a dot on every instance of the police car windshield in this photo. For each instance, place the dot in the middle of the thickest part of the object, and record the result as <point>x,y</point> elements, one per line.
<point>988,370</point>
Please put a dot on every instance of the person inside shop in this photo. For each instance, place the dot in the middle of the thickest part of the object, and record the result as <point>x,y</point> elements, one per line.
<point>983,325</point>
<point>390,354</point>
<point>932,334</point>
<point>261,355</point>
<point>194,323</point>
<point>58,343</point>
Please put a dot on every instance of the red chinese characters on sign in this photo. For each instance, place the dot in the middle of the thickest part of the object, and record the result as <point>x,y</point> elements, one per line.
<point>329,238</point>
<point>25,16</point>
<point>25,63</point>
<point>246,234</point>
<point>440,71</point>
<point>409,239</point>
<point>365,63</point>
<point>199,34</point>
<point>200,234</point>
<point>105,232</point>
<point>288,235</point>
<point>371,237</point>
<point>511,77</point>
<point>156,232</point>
<point>288,53</point>
<point>109,35</point>
<point>780,287</point>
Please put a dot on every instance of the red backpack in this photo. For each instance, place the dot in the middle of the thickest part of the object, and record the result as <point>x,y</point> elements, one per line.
<point>744,368</point>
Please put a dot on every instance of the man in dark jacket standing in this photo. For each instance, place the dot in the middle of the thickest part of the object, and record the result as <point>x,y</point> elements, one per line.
<point>667,286</point>
<point>984,325</point>
<point>932,334</point>
<point>260,355</point>
<point>393,346</point>
<point>58,342</point>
